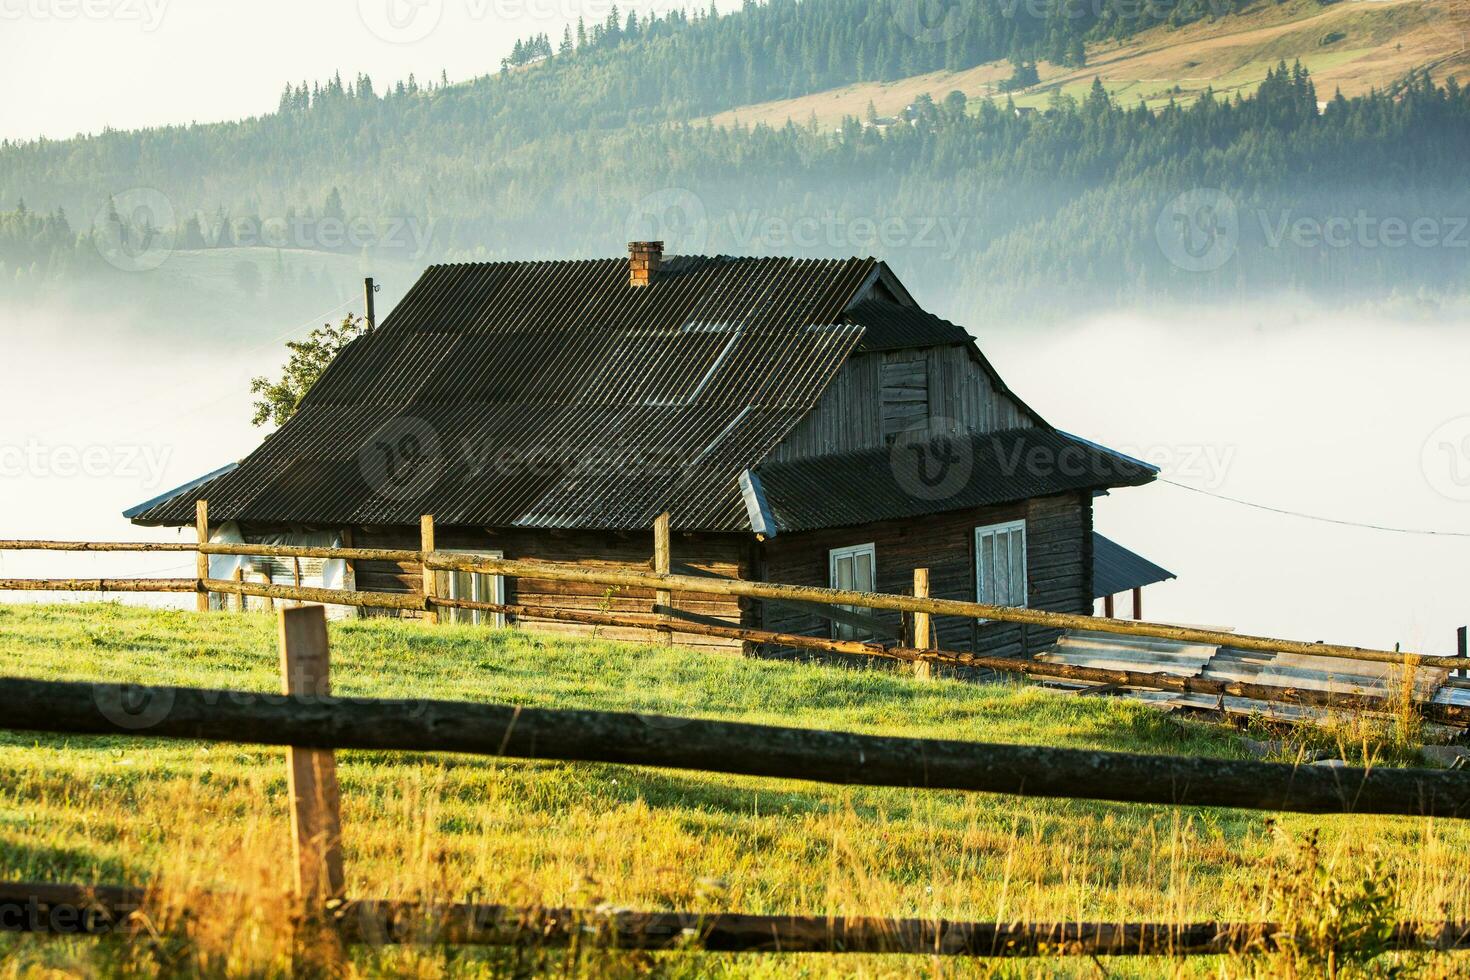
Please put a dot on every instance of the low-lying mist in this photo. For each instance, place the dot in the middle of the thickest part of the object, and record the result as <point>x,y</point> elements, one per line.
<point>1355,417</point>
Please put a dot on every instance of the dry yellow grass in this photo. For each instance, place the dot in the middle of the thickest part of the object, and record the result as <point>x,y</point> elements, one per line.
<point>191,818</point>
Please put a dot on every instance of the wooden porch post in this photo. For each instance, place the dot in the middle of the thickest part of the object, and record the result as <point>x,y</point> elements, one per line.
<point>662,562</point>
<point>1138,602</point>
<point>426,545</point>
<point>1108,606</point>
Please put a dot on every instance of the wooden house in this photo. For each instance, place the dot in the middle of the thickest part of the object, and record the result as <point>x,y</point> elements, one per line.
<point>803,421</point>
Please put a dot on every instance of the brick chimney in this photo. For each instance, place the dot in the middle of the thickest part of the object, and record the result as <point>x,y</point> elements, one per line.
<point>643,260</point>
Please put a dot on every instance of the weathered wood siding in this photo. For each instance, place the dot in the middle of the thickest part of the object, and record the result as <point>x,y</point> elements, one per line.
<point>903,377</point>
<point>1058,560</point>
<point>877,395</point>
<point>724,555</point>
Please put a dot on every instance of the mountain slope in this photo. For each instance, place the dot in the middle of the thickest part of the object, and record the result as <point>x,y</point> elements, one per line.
<point>1349,46</point>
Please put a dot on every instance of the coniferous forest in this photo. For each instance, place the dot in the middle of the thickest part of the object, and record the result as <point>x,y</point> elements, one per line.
<point>580,143</point>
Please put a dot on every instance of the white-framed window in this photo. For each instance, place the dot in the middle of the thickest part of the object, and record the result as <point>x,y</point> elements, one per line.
<point>1000,564</point>
<point>475,586</point>
<point>852,569</point>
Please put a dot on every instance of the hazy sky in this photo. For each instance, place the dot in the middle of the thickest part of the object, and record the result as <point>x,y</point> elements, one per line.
<point>70,66</point>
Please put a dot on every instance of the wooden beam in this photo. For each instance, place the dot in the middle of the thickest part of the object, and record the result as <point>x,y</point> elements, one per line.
<point>938,607</point>
<point>1108,609</point>
<point>922,638</point>
<point>201,561</point>
<point>1138,603</point>
<point>43,545</point>
<point>316,823</point>
<point>309,551</point>
<point>426,546</point>
<point>99,585</point>
<point>307,593</point>
<point>704,745</point>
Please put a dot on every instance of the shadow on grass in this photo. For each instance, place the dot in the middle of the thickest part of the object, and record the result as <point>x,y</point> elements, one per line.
<point>60,864</point>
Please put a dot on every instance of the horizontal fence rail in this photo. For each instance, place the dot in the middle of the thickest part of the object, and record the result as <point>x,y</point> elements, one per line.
<point>103,910</point>
<point>716,746</point>
<point>99,584</point>
<point>556,571</point>
<point>464,562</point>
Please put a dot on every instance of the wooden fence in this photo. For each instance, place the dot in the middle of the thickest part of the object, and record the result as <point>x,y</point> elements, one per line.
<point>312,724</point>
<point>918,610</point>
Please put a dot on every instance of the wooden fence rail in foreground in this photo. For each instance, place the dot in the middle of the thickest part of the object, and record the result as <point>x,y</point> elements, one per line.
<point>718,746</point>
<point>103,910</point>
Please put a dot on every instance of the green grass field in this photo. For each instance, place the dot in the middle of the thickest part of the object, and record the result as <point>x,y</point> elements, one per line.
<point>194,816</point>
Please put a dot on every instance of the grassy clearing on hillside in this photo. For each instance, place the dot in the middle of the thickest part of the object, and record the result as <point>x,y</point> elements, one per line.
<point>124,811</point>
<point>1355,47</point>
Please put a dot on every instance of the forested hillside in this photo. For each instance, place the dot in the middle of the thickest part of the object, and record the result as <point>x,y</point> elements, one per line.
<point>986,208</point>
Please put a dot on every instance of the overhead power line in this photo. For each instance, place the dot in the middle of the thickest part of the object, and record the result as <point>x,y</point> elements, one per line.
<point>1314,517</point>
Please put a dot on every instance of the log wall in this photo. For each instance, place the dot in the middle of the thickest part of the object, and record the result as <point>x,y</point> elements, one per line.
<point>728,556</point>
<point>1058,559</point>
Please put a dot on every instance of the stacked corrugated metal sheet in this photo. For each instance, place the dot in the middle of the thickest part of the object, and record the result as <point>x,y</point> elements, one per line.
<point>1337,675</point>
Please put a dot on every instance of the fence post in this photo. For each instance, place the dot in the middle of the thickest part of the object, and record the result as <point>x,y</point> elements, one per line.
<point>923,639</point>
<point>201,560</point>
<point>426,545</point>
<point>316,825</point>
<point>662,562</point>
<point>238,599</point>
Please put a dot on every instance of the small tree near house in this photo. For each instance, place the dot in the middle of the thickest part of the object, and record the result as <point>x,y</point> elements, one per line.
<point>278,400</point>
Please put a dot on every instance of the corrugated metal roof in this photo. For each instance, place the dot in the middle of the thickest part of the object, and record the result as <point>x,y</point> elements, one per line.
<point>1116,569</point>
<point>903,480</point>
<point>893,326</point>
<point>552,394</point>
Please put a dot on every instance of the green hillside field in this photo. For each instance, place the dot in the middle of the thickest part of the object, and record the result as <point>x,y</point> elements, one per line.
<point>189,817</point>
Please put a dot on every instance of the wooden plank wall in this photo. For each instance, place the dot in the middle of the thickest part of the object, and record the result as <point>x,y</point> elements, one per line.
<point>853,412</point>
<point>904,377</point>
<point>724,555</point>
<point>1059,574</point>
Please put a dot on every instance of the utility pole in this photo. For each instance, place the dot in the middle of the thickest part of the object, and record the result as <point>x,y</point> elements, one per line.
<point>367,290</point>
